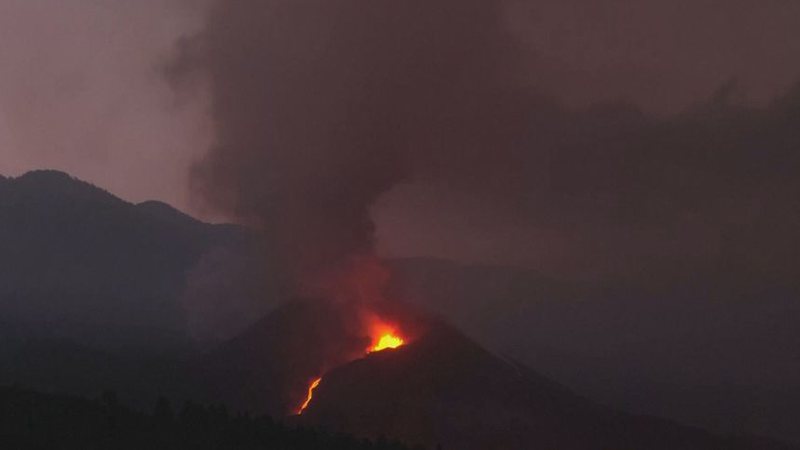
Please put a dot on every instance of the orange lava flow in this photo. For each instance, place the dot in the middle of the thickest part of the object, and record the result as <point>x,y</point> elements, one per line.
<point>384,337</point>
<point>311,388</point>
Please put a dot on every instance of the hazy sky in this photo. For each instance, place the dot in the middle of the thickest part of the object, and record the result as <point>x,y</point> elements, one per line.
<point>82,89</point>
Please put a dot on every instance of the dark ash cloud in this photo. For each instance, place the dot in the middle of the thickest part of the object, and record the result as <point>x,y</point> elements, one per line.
<point>321,109</point>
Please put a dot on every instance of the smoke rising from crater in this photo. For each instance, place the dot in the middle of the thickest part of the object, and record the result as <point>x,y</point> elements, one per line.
<point>322,108</point>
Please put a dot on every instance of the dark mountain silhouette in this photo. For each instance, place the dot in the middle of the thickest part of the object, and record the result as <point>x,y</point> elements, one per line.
<point>62,366</point>
<point>81,264</point>
<point>442,388</point>
<point>96,292</point>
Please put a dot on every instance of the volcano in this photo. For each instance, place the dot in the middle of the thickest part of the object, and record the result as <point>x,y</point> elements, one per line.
<point>439,388</point>
<point>272,367</point>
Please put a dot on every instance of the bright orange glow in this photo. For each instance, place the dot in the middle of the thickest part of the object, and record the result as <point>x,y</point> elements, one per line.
<point>384,335</point>
<point>388,340</point>
<point>311,388</point>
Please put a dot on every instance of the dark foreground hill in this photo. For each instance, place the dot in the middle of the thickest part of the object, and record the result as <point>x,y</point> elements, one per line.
<point>29,420</point>
<point>716,353</point>
<point>441,388</point>
<point>446,389</point>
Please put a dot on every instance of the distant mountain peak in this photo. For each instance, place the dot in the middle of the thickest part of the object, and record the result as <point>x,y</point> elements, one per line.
<point>52,184</point>
<point>51,177</point>
<point>80,263</point>
<point>47,173</point>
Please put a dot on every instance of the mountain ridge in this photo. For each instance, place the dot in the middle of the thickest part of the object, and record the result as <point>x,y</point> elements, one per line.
<point>83,264</point>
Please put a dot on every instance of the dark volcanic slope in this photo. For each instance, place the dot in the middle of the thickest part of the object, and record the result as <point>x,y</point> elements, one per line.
<point>708,354</point>
<point>444,389</point>
<point>268,368</point>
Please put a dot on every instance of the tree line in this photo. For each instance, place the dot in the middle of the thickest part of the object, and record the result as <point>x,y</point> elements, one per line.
<point>32,420</point>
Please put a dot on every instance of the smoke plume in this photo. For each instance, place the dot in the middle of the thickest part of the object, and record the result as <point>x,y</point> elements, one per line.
<point>321,107</point>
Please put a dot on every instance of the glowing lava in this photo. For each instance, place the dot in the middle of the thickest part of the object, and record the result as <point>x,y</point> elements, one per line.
<point>387,340</point>
<point>311,388</point>
<point>385,337</point>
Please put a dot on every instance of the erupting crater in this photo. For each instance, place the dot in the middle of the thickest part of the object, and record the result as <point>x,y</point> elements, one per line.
<point>384,336</point>
<point>387,341</point>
